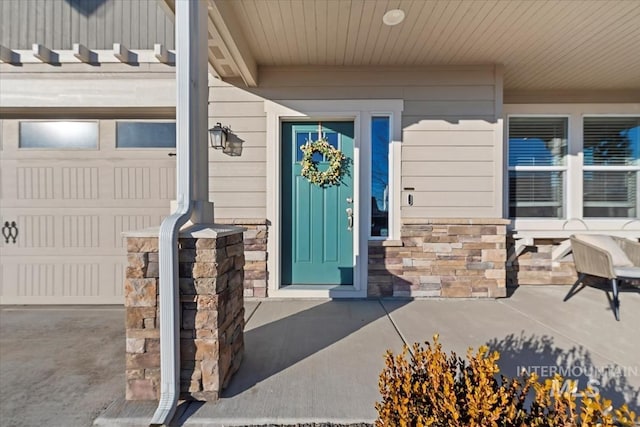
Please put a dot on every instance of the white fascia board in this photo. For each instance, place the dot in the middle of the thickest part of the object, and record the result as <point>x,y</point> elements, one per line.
<point>93,92</point>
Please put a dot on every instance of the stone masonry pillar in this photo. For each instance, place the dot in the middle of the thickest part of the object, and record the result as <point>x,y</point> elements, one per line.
<point>211,261</point>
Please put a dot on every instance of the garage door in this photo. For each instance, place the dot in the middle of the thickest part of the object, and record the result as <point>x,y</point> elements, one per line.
<point>68,189</point>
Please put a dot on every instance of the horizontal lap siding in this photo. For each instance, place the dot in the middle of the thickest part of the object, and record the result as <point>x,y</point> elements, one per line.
<point>449,168</point>
<point>451,147</point>
<point>237,185</point>
<point>450,141</point>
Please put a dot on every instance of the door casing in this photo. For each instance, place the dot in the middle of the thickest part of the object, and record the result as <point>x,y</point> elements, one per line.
<point>360,112</point>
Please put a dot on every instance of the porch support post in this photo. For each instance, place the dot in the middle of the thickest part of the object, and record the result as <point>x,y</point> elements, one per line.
<point>192,205</point>
<point>197,108</point>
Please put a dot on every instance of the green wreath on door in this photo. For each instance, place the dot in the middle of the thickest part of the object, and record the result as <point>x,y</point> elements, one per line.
<point>337,162</point>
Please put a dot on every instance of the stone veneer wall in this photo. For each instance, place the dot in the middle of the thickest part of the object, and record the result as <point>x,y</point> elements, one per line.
<point>255,253</point>
<point>534,266</point>
<point>441,258</point>
<point>212,315</point>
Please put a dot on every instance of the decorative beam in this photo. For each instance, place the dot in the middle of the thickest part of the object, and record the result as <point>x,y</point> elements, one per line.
<point>8,56</point>
<point>163,54</point>
<point>44,54</point>
<point>78,55</point>
<point>123,54</point>
<point>83,53</point>
<point>230,32</point>
<point>169,8</point>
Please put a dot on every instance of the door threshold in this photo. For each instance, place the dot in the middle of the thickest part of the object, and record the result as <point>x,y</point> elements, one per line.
<point>318,291</point>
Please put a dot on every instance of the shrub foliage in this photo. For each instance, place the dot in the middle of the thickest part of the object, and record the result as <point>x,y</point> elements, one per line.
<point>426,387</point>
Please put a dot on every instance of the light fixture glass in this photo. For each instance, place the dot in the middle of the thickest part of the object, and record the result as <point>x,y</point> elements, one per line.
<point>233,147</point>
<point>218,136</point>
<point>393,17</point>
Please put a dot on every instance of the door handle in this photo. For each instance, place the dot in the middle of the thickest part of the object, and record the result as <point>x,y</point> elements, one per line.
<point>10,231</point>
<point>349,219</point>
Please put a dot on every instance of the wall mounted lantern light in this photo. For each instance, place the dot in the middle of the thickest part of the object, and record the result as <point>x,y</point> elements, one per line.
<point>218,136</point>
<point>233,147</point>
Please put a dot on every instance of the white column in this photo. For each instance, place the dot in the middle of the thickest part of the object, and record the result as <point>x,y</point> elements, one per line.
<point>202,209</point>
<point>192,110</point>
<point>192,205</point>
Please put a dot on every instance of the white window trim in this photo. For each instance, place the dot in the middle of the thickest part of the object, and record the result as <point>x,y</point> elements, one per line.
<point>360,111</point>
<point>573,178</point>
<point>562,168</point>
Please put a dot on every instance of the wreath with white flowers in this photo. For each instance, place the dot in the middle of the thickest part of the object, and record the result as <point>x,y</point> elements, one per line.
<point>336,159</point>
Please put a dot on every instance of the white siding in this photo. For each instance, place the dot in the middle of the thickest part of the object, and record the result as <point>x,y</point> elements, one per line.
<point>57,24</point>
<point>237,185</point>
<point>451,140</point>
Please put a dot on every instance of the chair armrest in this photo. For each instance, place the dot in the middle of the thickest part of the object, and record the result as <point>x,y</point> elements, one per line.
<point>631,248</point>
<point>590,259</point>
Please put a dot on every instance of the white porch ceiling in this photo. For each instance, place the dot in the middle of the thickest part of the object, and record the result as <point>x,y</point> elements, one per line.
<point>543,45</point>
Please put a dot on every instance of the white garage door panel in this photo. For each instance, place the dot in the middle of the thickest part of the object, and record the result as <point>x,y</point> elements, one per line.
<point>80,231</point>
<point>70,208</point>
<point>62,280</point>
<point>99,183</point>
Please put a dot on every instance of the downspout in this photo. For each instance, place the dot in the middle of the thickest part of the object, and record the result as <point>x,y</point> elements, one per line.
<point>191,118</point>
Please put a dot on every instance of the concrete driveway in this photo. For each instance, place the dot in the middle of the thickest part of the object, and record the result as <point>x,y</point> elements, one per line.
<point>59,366</point>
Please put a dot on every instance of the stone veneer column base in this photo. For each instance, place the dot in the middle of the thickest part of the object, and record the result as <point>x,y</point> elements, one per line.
<point>211,261</point>
<point>448,257</point>
<point>256,235</point>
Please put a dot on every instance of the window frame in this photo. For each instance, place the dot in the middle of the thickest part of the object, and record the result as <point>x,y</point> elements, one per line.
<point>115,137</point>
<point>574,219</point>
<point>613,168</point>
<point>564,168</point>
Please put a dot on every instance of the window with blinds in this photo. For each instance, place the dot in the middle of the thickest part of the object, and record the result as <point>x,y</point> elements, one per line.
<point>611,150</point>
<point>537,166</point>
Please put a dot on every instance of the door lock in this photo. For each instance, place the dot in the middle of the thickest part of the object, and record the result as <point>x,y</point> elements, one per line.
<point>349,219</point>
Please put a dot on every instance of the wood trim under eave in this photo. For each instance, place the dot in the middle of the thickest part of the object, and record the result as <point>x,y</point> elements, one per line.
<point>18,113</point>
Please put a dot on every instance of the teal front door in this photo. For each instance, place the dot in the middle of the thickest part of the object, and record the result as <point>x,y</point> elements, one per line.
<point>317,236</point>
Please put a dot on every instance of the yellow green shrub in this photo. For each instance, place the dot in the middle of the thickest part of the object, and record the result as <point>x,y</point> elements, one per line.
<point>426,387</point>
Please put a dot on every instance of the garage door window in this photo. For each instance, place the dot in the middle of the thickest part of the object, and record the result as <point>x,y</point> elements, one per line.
<point>145,135</point>
<point>59,135</point>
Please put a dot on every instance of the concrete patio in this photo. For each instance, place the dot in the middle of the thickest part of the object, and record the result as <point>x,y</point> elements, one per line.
<point>318,361</point>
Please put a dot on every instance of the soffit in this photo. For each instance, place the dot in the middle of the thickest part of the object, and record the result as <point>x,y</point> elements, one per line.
<point>542,44</point>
